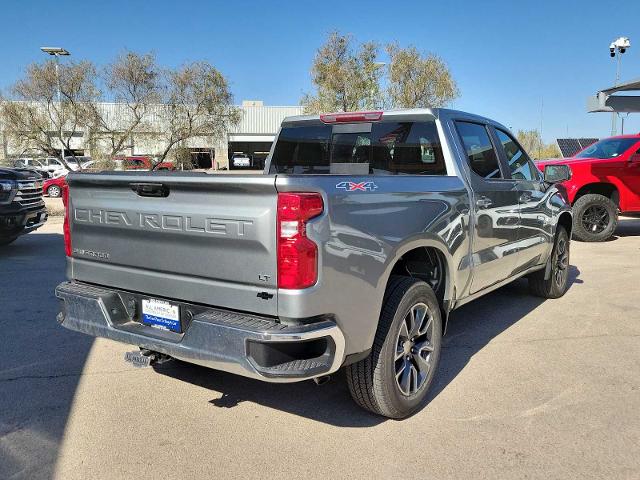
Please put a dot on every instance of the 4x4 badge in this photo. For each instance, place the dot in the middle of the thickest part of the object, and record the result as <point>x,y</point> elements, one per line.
<point>353,186</point>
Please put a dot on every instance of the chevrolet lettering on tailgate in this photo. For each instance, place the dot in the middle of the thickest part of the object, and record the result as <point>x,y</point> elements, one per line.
<point>155,221</point>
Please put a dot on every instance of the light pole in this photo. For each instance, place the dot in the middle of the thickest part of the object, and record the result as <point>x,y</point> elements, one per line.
<point>616,49</point>
<point>57,52</point>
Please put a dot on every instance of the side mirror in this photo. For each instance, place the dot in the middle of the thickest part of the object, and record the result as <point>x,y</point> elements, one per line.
<point>557,173</point>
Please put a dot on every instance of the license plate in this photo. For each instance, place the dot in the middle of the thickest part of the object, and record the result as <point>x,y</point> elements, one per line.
<point>161,314</point>
<point>241,162</point>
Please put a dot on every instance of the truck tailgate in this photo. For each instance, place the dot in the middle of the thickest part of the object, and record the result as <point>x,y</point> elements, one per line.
<point>207,239</point>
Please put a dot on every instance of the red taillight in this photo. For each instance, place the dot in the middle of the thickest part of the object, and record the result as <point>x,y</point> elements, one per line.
<point>348,117</point>
<point>65,225</point>
<point>297,254</point>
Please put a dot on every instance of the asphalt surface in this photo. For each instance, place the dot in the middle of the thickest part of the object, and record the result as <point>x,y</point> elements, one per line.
<point>526,389</point>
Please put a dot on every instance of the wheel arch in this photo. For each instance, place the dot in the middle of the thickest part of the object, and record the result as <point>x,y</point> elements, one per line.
<point>566,220</point>
<point>605,189</point>
<point>415,260</point>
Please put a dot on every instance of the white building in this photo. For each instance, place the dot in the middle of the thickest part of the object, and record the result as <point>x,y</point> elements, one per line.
<point>254,135</point>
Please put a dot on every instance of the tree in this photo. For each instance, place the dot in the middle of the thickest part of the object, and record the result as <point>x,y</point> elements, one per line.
<point>416,80</point>
<point>349,77</point>
<point>134,82</point>
<point>34,117</point>
<point>346,77</point>
<point>173,105</point>
<point>197,104</point>
<point>532,142</point>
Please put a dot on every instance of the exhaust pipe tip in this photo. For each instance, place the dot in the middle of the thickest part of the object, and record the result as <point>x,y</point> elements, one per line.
<point>322,380</point>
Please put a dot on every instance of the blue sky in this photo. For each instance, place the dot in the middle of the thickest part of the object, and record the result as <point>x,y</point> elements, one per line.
<point>505,55</point>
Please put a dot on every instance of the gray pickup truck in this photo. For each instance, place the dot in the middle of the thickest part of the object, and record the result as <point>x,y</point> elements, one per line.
<point>365,231</point>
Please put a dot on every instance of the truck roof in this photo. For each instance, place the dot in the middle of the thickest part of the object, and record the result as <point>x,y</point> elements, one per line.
<point>401,112</point>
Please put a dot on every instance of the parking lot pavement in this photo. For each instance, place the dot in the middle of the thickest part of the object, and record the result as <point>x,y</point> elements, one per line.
<point>526,389</point>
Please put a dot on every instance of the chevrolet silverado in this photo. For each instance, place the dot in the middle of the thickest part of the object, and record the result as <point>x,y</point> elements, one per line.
<point>364,232</point>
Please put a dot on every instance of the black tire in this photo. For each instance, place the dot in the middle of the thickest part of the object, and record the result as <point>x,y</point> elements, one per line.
<point>7,241</point>
<point>558,282</point>
<point>54,191</point>
<point>595,218</point>
<point>372,381</point>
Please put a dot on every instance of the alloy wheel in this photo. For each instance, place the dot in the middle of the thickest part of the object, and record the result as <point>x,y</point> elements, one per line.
<point>561,262</point>
<point>414,347</point>
<point>595,219</point>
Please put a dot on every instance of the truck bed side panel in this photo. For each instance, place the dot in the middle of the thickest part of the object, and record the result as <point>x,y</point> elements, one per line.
<point>364,232</point>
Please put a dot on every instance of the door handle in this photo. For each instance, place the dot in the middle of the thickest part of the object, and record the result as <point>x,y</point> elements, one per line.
<point>483,202</point>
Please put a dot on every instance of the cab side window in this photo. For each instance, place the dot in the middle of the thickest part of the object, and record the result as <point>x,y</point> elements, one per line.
<point>480,152</point>
<point>521,167</point>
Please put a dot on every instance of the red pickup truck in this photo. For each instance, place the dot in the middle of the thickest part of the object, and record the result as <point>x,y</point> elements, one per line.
<point>605,181</point>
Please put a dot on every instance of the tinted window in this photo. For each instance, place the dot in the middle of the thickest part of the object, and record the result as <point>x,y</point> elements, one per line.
<point>480,152</point>
<point>519,164</point>
<point>388,148</point>
<point>609,148</point>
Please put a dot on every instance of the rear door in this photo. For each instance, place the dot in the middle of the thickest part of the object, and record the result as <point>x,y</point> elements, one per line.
<point>535,232</point>
<point>194,237</point>
<point>495,204</point>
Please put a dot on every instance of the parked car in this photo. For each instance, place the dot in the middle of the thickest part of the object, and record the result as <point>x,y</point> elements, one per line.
<point>141,162</point>
<point>53,165</point>
<point>138,162</point>
<point>241,160</point>
<point>53,186</point>
<point>79,162</point>
<point>605,181</point>
<point>165,166</point>
<point>351,253</point>
<point>22,209</point>
<point>31,164</point>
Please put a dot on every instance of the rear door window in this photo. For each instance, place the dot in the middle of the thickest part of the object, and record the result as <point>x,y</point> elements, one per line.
<point>381,148</point>
<point>481,155</point>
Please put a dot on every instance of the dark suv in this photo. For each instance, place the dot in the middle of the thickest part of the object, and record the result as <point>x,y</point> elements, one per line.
<point>22,208</point>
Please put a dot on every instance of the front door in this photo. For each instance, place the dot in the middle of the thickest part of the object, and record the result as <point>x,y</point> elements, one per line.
<point>630,173</point>
<point>495,204</point>
<point>535,235</point>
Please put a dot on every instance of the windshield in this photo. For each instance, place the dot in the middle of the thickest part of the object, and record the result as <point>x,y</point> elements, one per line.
<point>609,148</point>
<point>383,148</point>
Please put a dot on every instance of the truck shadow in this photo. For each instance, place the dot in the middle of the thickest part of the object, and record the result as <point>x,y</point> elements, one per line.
<point>470,329</point>
<point>40,362</point>
<point>628,227</point>
<point>474,325</point>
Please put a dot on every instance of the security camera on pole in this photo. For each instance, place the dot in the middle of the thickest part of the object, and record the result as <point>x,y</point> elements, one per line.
<point>617,48</point>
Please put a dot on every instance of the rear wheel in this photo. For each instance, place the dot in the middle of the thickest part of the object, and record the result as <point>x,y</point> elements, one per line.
<point>54,191</point>
<point>595,218</point>
<point>556,285</point>
<point>394,379</point>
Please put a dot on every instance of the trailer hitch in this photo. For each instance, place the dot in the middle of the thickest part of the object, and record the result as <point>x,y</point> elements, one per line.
<point>145,358</point>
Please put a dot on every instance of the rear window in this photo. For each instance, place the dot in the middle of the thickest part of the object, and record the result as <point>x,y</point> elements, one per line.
<point>382,148</point>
